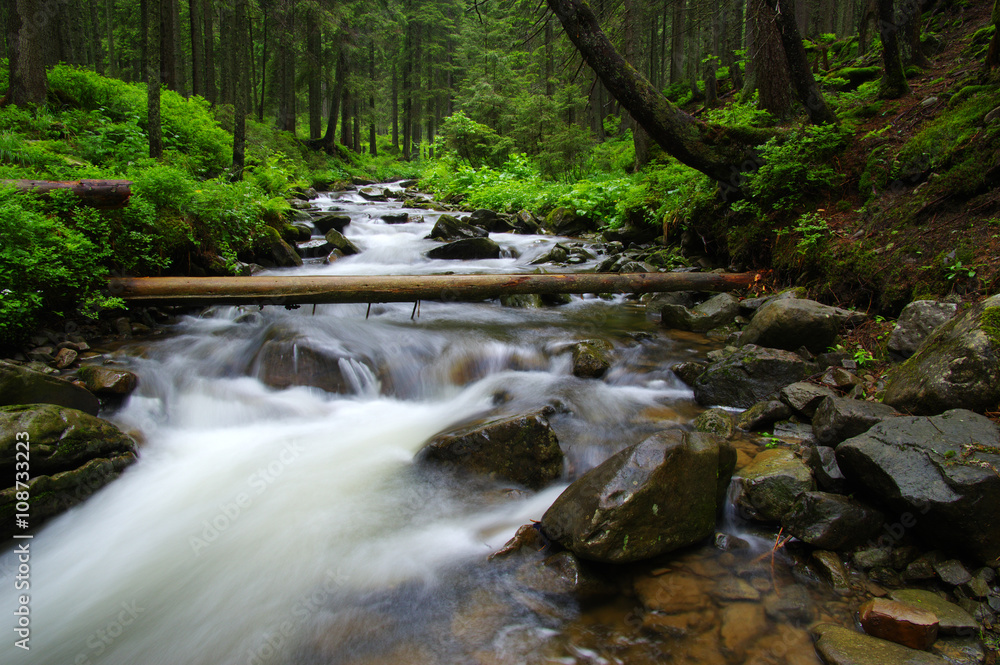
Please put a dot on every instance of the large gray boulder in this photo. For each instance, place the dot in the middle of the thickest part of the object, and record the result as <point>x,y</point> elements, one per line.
<point>490,220</point>
<point>790,324</point>
<point>340,242</point>
<point>770,484</point>
<point>466,249</point>
<point>717,311</point>
<point>449,228</point>
<point>335,222</point>
<point>73,454</point>
<point>521,448</point>
<point>20,385</point>
<point>107,380</point>
<point>939,473</point>
<point>957,367</point>
<point>649,499</point>
<point>840,418</point>
<point>749,375</point>
<point>916,323</point>
<point>832,521</point>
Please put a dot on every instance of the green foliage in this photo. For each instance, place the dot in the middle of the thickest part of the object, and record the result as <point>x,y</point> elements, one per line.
<point>474,142</point>
<point>796,168</point>
<point>658,192</point>
<point>740,114</point>
<point>812,232</point>
<point>46,266</point>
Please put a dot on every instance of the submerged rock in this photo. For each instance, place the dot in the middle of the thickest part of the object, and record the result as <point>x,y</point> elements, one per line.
<point>749,375</point>
<point>296,361</point>
<point>649,499</point>
<point>521,448</point>
<point>957,367</point>
<point>20,385</point>
<point>842,646</point>
<point>940,472</point>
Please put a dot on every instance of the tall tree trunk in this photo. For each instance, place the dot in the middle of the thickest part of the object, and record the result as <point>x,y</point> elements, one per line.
<point>407,91</point>
<point>144,44</point>
<point>802,78</point>
<point>226,51</point>
<point>768,69</point>
<point>330,138</point>
<point>109,18</point>
<point>154,37</point>
<point>197,48</point>
<point>28,84</point>
<point>719,152</point>
<point>346,133</point>
<point>208,14</point>
<point>263,65</point>
<point>95,38</point>
<point>168,64</point>
<point>241,27</point>
<point>356,125</point>
<point>286,58</point>
<point>893,84</point>
<point>677,42</point>
<point>314,49</point>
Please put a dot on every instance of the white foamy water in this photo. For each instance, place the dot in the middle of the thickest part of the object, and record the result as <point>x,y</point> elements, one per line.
<point>259,522</point>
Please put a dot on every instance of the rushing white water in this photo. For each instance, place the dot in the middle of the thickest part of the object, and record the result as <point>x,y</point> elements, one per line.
<point>268,525</point>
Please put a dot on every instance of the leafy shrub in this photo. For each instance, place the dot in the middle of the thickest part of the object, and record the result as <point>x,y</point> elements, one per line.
<point>474,142</point>
<point>45,266</point>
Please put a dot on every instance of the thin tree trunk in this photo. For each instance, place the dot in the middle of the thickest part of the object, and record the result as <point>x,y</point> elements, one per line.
<point>346,135</point>
<point>677,43</point>
<point>263,67</point>
<point>95,38</point>
<point>330,138</point>
<point>286,56</point>
<point>197,48</point>
<point>242,84</point>
<point>372,147</point>
<point>109,18</point>
<point>395,109</point>
<point>168,64</point>
<point>153,79</point>
<point>893,84</point>
<point>993,55</point>
<point>314,46</point>
<point>207,12</point>
<point>144,44</point>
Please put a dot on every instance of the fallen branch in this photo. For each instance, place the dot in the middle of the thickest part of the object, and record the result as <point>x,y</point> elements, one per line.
<point>300,290</point>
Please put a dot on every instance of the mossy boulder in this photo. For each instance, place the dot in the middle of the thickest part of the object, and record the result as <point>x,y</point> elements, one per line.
<point>279,251</point>
<point>522,449</point>
<point>591,358</point>
<point>20,385</point>
<point>340,242</point>
<point>842,646</point>
<point>649,499</point>
<point>749,375</point>
<point>770,484</point>
<point>715,421</point>
<point>73,454</point>
<point>958,366</point>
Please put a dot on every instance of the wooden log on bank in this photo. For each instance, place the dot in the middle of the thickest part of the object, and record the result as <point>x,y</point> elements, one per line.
<point>105,194</point>
<point>303,290</point>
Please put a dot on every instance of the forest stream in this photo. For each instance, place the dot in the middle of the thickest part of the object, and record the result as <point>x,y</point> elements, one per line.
<point>290,525</point>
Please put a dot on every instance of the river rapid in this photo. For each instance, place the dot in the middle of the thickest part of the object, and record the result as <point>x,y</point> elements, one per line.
<point>290,525</point>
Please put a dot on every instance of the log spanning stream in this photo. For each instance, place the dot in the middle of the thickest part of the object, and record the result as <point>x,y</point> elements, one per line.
<point>276,514</point>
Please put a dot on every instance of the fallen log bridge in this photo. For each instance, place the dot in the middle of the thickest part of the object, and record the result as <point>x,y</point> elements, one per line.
<point>313,289</point>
